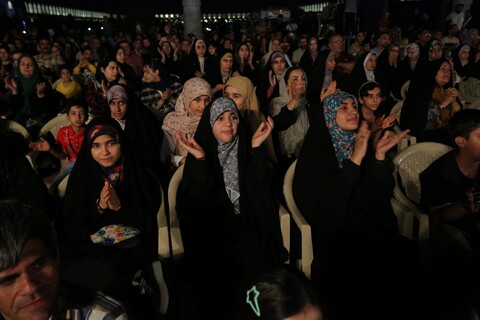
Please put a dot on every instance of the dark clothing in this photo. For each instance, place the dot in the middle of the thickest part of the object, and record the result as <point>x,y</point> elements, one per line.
<point>221,247</point>
<point>418,102</point>
<point>139,194</point>
<point>359,257</point>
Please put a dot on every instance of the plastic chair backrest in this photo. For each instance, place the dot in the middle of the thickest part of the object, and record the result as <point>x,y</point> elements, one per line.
<point>414,160</point>
<point>404,89</point>
<point>305,229</point>
<point>18,128</point>
<point>177,243</point>
<point>62,186</point>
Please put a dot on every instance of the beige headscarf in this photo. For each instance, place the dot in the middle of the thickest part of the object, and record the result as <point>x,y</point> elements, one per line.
<point>181,119</point>
<point>250,111</point>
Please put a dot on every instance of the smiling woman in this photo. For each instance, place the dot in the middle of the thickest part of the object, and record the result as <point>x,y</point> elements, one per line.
<point>225,204</point>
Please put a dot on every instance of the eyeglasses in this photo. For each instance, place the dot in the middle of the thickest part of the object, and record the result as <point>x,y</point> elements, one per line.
<point>337,41</point>
<point>164,47</point>
<point>395,50</point>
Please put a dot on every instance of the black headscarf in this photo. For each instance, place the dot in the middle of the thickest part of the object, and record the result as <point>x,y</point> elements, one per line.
<point>138,191</point>
<point>143,131</point>
<point>316,76</point>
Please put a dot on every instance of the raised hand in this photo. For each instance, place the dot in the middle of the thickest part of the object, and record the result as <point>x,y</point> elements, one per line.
<point>190,145</point>
<point>386,143</point>
<point>272,78</point>
<point>199,74</point>
<point>41,89</point>
<point>114,201</point>
<point>361,143</point>
<point>11,84</point>
<point>41,145</point>
<point>263,132</point>
<point>330,90</point>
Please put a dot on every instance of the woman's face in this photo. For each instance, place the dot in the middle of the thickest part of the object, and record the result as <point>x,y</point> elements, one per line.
<point>278,65</point>
<point>150,75</point>
<point>198,105</point>
<point>443,74</point>
<point>312,45</point>
<point>296,81</point>
<point>232,93</point>
<point>212,50</point>
<point>226,64</point>
<point>464,54</point>
<point>347,115</point>
<point>330,64</point>
<point>26,67</point>
<point>276,45</point>
<point>243,52</point>
<point>394,51</point>
<point>121,55</point>
<point>4,55</point>
<point>435,53</point>
<point>360,37</point>
<point>371,63</point>
<point>225,127</point>
<point>118,108</point>
<point>66,75</point>
<point>200,49</point>
<point>106,151</point>
<point>111,71</point>
<point>56,51</point>
<point>166,47</point>
<point>412,55</point>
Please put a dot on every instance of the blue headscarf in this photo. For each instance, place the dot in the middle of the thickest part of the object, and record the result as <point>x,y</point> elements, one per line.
<point>342,140</point>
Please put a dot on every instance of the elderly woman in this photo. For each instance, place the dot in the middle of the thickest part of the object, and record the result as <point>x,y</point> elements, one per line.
<point>191,103</point>
<point>431,102</point>
<point>224,204</point>
<point>347,205</point>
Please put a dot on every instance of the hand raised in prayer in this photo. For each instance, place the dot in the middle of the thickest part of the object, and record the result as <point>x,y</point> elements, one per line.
<point>330,90</point>
<point>41,145</point>
<point>263,132</point>
<point>387,142</point>
<point>361,143</point>
<point>109,198</point>
<point>190,145</point>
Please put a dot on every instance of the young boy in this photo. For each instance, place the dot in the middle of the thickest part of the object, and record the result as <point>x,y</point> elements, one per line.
<point>370,98</point>
<point>69,139</point>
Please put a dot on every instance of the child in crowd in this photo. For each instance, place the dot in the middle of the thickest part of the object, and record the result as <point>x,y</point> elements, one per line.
<point>69,139</point>
<point>70,88</point>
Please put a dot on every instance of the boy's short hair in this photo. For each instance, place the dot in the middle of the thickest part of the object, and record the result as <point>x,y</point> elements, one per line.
<point>367,86</point>
<point>79,103</point>
<point>463,123</point>
<point>20,224</point>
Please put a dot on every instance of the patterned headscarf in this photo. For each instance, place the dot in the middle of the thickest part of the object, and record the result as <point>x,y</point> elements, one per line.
<point>342,140</point>
<point>182,119</point>
<point>228,152</point>
<point>113,174</point>
<point>116,92</point>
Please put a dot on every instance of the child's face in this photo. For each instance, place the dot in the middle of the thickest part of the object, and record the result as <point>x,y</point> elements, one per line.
<point>77,117</point>
<point>66,75</point>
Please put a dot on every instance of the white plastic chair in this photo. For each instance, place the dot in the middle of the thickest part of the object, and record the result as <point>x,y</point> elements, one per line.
<point>408,165</point>
<point>408,140</point>
<point>163,237</point>
<point>175,234</point>
<point>18,128</point>
<point>305,263</point>
<point>404,89</point>
<point>62,186</point>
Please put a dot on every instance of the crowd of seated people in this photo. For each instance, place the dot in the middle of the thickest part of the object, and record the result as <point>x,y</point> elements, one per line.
<point>234,110</point>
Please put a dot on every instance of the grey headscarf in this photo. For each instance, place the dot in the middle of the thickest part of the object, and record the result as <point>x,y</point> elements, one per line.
<point>228,152</point>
